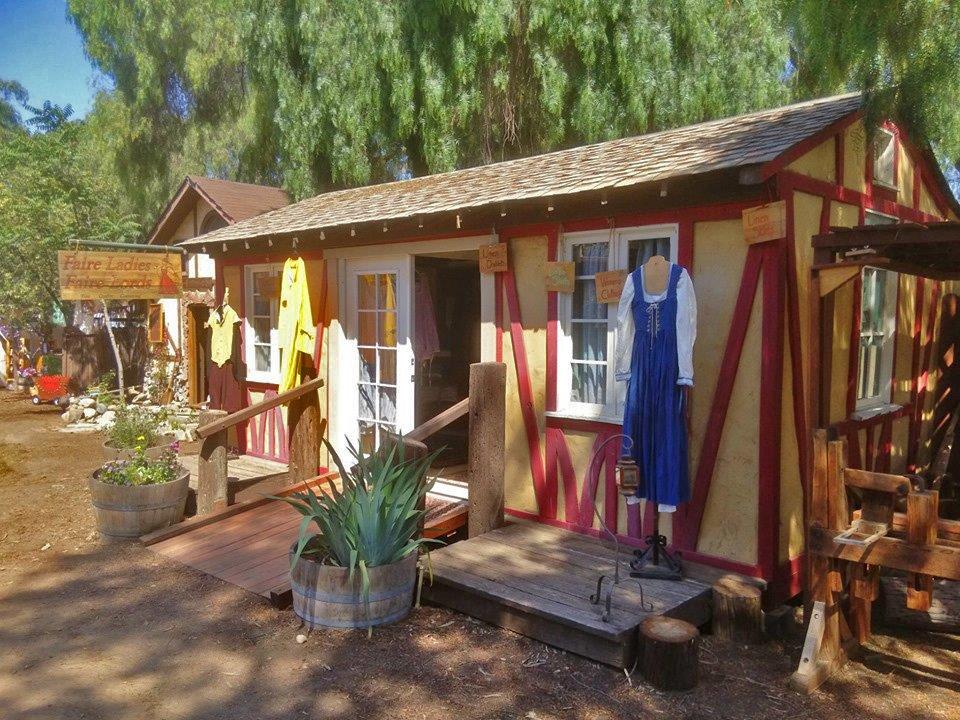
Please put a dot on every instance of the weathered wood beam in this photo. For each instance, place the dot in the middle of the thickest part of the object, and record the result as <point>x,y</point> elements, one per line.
<point>937,560</point>
<point>881,482</point>
<point>212,465</point>
<point>486,459</point>
<point>440,421</point>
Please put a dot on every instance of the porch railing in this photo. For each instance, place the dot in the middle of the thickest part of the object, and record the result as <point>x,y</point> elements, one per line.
<point>305,428</point>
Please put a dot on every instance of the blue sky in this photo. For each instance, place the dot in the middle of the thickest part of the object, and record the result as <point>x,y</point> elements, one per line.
<point>43,51</point>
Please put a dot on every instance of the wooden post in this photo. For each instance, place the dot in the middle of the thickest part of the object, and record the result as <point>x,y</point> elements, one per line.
<point>303,423</point>
<point>116,352</point>
<point>669,653</point>
<point>488,387</point>
<point>212,467</point>
<point>922,515</point>
<point>823,652</point>
<point>737,612</point>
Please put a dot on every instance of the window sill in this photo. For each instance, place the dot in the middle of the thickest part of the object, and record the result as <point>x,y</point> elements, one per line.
<point>866,413</point>
<point>605,419</point>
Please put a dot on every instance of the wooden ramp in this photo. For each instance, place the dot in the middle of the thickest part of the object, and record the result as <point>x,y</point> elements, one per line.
<point>248,544</point>
<point>537,580</point>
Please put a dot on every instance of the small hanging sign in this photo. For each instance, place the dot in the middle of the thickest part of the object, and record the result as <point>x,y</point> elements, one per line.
<point>765,223</point>
<point>560,276</point>
<point>610,286</point>
<point>493,258</point>
<point>268,286</point>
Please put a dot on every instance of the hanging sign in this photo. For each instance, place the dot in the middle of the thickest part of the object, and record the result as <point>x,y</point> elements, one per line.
<point>493,258</point>
<point>560,276</point>
<point>610,286</point>
<point>766,222</point>
<point>96,275</point>
<point>268,286</point>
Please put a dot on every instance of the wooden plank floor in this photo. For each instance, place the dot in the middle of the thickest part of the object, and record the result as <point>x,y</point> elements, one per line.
<point>537,580</point>
<point>248,477</point>
<point>250,548</point>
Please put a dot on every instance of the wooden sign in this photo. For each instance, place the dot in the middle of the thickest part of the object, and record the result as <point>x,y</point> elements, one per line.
<point>268,286</point>
<point>560,276</point>
<point>493,258</point>
<point>610,286</point>
<point>765,223</point>
<point>96,275</point>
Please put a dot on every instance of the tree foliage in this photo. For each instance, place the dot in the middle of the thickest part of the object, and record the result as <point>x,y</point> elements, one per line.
<point>51,192</point>
<point>904,54</point>
<point>320,94</point>
<point>12,93</point>
<point>331,93</point>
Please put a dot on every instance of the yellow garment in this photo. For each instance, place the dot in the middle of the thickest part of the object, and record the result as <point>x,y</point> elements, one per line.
<point>221,336</point>
<point>296,331</point>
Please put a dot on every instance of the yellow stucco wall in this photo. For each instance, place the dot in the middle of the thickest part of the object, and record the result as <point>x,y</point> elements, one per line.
<point>729,526</point>
<point>528,257</point>
<point>855,156</point>
<point>819,163</point>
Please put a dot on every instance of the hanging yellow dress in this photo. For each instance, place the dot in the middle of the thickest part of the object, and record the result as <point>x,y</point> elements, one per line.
<point>295,328</point>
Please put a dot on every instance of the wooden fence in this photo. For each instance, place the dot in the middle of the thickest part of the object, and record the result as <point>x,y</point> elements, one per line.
<point>87,357</point>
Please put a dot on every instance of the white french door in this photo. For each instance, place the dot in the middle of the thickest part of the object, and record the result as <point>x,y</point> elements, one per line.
<point>378,359</point>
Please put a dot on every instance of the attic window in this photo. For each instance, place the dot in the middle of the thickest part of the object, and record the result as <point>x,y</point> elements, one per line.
<point>884,154</point>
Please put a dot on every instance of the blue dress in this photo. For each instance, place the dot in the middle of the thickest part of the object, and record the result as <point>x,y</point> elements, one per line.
<point>654,415</point>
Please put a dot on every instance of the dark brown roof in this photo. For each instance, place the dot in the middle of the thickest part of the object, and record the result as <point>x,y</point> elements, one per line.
<point>719,144</point>
<point>233,201</point>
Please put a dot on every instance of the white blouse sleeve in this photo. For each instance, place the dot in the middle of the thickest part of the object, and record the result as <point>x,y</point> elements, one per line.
<point>686,327</point>
<point>625,331</point>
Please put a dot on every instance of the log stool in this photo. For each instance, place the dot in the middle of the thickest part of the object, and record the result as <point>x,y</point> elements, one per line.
<point>669,653</point>
<point>737,612</point>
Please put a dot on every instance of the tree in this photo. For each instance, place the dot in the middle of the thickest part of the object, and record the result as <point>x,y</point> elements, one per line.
<point>323,94</point>
<point>904,54</point>
<point>51,192</point>
<point>11,92</point>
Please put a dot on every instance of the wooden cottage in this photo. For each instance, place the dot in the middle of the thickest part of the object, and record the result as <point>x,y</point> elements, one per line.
<point>386,258</point>
<point>199,206</point>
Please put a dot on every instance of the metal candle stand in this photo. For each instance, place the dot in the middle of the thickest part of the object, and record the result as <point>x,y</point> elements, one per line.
<point>627,487</point>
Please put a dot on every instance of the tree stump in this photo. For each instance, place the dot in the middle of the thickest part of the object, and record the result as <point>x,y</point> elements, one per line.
<point>669,653</point>
<point>737,612</point>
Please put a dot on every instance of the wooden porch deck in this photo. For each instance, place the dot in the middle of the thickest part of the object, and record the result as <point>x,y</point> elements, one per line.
<point>537,581</point>
<point>248,477</point>
<point>248,544</point>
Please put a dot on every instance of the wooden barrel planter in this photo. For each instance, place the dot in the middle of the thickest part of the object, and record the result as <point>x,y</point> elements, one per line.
<point>127,511</point>
<point>325,596</point>
<point>111,453</point>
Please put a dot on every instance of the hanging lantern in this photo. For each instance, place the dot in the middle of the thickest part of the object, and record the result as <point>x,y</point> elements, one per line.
<point>628,476</point>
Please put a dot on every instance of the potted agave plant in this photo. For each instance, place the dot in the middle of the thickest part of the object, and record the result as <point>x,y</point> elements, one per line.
<point>360,569</point>
<point>136,496</point>
<point>136,427</point>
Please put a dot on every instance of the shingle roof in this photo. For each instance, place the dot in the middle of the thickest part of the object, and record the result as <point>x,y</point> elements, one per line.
<point>241,201</point>
<point>719,144</point>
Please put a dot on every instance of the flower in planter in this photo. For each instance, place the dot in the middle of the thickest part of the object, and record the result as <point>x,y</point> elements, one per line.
<point>140,470</point>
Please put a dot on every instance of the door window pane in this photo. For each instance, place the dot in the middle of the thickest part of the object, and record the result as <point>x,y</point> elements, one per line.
<point>639,251</point>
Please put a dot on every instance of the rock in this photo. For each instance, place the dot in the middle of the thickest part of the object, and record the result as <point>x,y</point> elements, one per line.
<point>89,412</point>
<point>301,639</point>
<point>74,413</point>
<point>87,402</point>
<point>109,417</point>
<point>101,408</point>
<point>65,416</point>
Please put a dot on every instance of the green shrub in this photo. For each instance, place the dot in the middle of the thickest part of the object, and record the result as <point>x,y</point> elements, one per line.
<point>140,470</point>
<point>135,426</point>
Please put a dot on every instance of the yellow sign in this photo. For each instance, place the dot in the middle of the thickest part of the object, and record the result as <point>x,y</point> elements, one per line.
<point>610,286</point>
<point>493,258</point>
<point>560,276</point>
<point>764,223</point>
<point>95,275</point>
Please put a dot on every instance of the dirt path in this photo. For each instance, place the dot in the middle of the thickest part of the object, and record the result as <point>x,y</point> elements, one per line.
<point>109,630</point>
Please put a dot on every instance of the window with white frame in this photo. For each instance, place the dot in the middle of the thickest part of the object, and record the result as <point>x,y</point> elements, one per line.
<point>585,378</point>
<point>877,327</point>
<point>884,153</point>
<point>262,303</point>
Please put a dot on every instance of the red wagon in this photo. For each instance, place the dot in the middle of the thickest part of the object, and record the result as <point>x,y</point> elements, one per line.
<point>50,389</point>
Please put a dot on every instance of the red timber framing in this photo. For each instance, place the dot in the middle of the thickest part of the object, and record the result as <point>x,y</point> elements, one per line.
<point>776,262</point>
